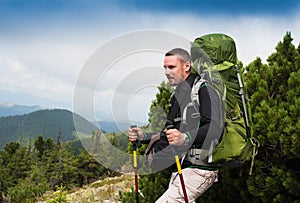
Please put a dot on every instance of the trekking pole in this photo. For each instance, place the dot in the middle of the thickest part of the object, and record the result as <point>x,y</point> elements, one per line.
<point>243,96</point>
<point>135,168</point>
<point>253,141</point>
<point>175,153</point>
<point>180,176</point>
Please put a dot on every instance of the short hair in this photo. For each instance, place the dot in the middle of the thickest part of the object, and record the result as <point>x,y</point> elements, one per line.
<point>183,54</point>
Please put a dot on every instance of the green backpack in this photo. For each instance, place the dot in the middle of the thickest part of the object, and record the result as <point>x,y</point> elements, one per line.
<point>215,55</point>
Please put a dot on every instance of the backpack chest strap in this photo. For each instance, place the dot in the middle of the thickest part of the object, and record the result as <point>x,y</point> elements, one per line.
<point>198,158</point>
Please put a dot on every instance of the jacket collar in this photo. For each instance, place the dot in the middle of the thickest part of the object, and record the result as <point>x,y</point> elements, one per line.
<point>187,84</point>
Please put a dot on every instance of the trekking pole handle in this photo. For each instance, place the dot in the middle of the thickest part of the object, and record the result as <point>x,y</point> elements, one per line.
<point>168,127</point>
<point>171,126</point>
<point>134,142</point>
<point>134,126</point>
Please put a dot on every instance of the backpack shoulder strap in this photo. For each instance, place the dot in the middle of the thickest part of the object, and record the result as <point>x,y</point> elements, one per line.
<point>198,84</point>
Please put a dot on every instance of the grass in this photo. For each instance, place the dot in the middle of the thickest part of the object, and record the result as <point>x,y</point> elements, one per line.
<point>107,189</point>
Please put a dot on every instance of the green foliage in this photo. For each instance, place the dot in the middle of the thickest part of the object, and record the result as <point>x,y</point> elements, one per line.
<point>231,186</point>
<point>28,189</point>
<point>27,172</point>
<point>59,195</point>
<point>128,197</point>
<point>275,103</point>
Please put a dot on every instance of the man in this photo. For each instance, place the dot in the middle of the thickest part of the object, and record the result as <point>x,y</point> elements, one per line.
<point>196,131</point>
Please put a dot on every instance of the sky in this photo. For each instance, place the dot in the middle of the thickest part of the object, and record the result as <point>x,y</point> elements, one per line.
<point>47,46</point>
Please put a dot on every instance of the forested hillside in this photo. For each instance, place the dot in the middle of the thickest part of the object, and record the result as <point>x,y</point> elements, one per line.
<point>28,172</point>
<point>49,123</point>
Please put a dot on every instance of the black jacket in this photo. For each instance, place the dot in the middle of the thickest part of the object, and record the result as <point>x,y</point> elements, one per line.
<point>202,128</point>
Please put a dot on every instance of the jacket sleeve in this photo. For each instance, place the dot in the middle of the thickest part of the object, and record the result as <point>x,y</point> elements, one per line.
<point>211,123</point>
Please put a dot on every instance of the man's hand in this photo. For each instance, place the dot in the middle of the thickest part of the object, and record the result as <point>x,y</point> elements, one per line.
<point>175,137</point>
<point>132,134</point>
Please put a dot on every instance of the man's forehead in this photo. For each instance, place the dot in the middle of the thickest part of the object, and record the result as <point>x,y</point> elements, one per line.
<point>173,58</point>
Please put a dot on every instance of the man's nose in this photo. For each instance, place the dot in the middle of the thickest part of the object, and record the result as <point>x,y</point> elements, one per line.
<point>167,71</point>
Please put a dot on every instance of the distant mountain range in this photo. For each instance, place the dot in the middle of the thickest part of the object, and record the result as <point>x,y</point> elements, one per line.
<point>27,99</point>
<point>7,109</point>
<point>49,123</point>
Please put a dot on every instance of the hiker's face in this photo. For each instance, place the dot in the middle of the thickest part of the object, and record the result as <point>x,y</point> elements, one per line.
<point>176,70</point>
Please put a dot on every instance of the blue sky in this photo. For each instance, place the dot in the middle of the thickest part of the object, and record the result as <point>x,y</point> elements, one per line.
<point>204,6</point>
<point>45,43</point>
<point>231,7</point>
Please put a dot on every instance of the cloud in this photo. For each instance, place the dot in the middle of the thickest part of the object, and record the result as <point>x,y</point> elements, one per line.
<point>254,35</point>
<point>17,76</point>
<point>12,65</point>
<point>43,51</point>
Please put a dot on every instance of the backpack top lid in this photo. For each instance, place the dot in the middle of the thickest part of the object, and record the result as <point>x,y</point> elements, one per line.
<point>214,47</point>
<point>215,55</point>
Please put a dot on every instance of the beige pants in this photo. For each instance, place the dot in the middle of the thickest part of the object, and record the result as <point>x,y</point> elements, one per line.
<point>196,181</point>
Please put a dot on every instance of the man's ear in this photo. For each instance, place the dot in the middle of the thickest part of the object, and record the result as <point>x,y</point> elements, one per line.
<point>187,66</point>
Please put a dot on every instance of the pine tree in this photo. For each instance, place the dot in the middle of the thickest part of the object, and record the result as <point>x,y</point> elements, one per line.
<point>275,102</point>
